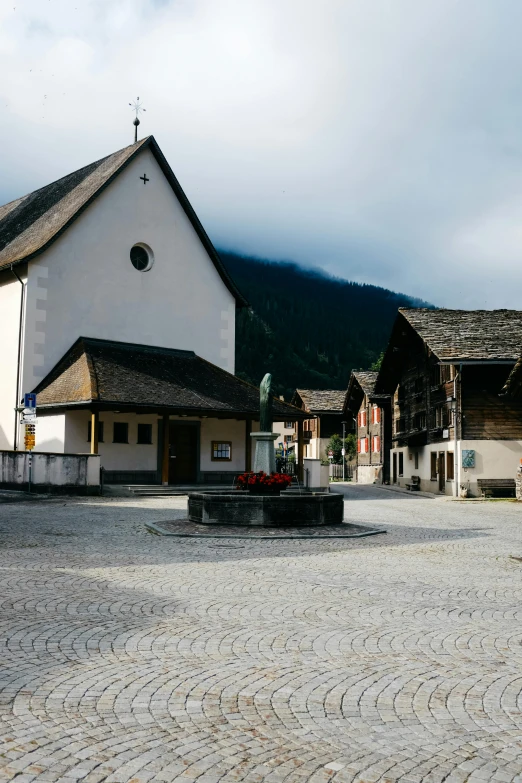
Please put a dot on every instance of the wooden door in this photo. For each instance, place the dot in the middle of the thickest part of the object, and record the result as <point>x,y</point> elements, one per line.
<point>442,471</point>
<point>183,453</point>
<point>394,467</point>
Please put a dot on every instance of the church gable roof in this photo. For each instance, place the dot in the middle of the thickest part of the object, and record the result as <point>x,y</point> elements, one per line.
<point>143,377</point>
<point>29,225</point>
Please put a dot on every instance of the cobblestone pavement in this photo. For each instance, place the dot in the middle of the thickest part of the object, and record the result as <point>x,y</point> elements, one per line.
<point>131,657</point>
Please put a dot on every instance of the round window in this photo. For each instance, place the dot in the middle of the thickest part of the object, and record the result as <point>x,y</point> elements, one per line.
<point>141,257</point>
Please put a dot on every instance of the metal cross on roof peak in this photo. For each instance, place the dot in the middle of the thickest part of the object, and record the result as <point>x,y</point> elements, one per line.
<point>137,107</point>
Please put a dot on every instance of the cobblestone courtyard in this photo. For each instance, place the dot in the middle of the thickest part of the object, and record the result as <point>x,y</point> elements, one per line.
<point>131,657</point>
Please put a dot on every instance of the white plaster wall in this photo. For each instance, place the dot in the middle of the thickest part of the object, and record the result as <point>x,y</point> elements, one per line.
<point>85,284</point>
<point>114,456</point>
<point>369,474</point>
<point>10,294</point>
<point>223,429</point>
<point>279,427</point>
<point>68,433</point>
<point>493,459</point>
<point>50,433</point>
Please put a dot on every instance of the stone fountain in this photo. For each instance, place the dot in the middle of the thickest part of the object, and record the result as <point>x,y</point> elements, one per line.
<point>290,508</point>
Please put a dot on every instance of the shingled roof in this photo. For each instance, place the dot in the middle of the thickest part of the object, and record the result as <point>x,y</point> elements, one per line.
<point>485,335</point>
<point>322,400</point>
<point>29,225</point>
<point>366,380</point>
<point>105,374</point>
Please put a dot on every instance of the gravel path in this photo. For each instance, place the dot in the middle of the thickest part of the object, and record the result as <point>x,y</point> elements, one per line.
<point>131,657</point>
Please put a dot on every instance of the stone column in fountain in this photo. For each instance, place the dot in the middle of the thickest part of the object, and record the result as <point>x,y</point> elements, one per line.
<point>263,441</point>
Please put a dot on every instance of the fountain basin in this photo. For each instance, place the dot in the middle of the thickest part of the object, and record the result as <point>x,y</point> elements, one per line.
<point>287,509</point>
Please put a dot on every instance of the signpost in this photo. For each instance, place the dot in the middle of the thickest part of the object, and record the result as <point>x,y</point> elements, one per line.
<point>29,421</point>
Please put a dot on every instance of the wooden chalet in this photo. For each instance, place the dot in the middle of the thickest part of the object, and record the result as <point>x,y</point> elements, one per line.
<point>455,378</point>
<point>372,415</point>
<point>325,407</point>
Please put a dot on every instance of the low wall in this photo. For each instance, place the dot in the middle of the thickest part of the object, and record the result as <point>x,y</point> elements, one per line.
<point>73,473</point>
<point>316,476</point>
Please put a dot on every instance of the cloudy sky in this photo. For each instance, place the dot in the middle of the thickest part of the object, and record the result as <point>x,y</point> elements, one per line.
<point>380,140</point>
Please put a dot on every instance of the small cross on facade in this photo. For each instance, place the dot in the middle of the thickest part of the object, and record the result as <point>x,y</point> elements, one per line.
<point>145,179</point>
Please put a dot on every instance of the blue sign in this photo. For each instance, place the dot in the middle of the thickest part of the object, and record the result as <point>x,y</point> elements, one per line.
<point>29,400</point>
<point>468,458</point>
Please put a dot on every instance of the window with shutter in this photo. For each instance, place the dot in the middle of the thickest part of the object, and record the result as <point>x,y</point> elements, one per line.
<point>358,446</point>
<point>377,415</point>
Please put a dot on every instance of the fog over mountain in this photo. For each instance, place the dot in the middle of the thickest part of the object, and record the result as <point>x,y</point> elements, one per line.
<point>380,141</point>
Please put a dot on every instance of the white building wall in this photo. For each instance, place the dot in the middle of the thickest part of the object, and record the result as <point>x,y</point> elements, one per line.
<point>493,459</point>
<point>10,296</point>
<point>85,284</point>
<point>68,433</point>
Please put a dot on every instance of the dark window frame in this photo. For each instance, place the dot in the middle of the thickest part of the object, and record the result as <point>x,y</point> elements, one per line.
<point>116,424</point>
<point>401,464</point>
<point>450,466</point>
<point>434,466</point>
<point>139,440</point>
<point>100,431</point>
<point>220,443</point>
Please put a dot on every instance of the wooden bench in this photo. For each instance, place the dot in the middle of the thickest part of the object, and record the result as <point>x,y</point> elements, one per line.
<point>414,485</point>
<point>496,487</point>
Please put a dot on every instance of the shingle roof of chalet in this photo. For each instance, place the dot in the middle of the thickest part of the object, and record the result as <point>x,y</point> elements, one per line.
<point>366,380</point>
<point>143,377</point>
<point>468,334</point>
<point>322,400</point>
<point>29,225</point>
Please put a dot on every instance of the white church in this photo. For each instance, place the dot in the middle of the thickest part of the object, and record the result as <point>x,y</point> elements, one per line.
<point>116,310</point>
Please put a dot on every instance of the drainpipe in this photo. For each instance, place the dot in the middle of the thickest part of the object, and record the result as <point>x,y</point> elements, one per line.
<point>19,359</point>
<point>456,448</point>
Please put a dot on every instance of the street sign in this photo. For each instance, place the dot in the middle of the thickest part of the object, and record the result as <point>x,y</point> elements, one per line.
<point>30,401</point>
<point>343,452</point>
<point>30,437</point>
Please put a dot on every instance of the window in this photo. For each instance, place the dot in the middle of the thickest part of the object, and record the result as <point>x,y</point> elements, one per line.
<point>289,425</point>
<point>433,465</point>
<point>221,451</point>
<point>141,257</point>
<point>100,432</point>
<point>145,433</point>
<point>362,418</point>
<point>400,425</point>
<point>416,458</point>
<point>450,465</point>
<point>376,444</point>
<point>376,415</point>
<point>401,463</point>
<point>362,445</point>
<point>120,433</point>
<point>419,421</point>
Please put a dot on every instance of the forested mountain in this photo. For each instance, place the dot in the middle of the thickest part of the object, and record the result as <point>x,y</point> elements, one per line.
<point>309,330</point>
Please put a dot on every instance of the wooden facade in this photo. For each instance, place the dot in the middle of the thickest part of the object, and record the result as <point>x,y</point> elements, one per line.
<point>371,414</point>
<point>452,427</point>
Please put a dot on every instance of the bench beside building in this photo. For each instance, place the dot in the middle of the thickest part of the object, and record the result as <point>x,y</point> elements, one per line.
<point>453,427</point>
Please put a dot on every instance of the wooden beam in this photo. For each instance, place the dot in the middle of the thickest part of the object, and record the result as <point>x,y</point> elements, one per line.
<point>300,451</point>
<point>248,446</point>
<point>95,421</point>
<point>166,450</point>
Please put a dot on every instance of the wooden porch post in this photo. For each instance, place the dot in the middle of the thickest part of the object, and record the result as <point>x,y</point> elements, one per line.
<point>248,446</point>
<point>165,455</point>
<point>300,451</point>
<point>95,420</point>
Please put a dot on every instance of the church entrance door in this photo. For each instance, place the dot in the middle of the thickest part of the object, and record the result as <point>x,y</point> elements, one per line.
<point>183,453</point>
